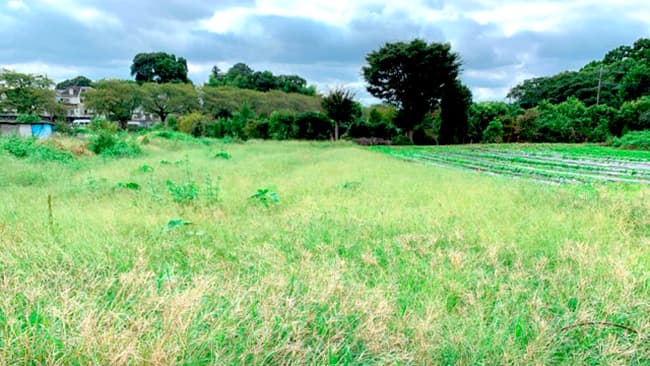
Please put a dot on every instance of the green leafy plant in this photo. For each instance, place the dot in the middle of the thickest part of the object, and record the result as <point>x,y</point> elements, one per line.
<point>145,169</point>
<point>222,155</point>
<point>265,197</point>
<point>176,223</point>
<point>635,140</point>
<point>31,148</point>
<point>183,193</point>
<point>129,185</point>
<point>351,185</point>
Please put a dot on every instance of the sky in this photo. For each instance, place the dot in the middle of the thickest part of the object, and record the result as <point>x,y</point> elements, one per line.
<point>500,43</point>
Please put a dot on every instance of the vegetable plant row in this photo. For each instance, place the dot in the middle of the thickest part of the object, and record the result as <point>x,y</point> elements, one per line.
<point>550,164</point>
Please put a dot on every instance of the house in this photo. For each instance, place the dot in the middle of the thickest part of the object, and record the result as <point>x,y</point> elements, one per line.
<point>9,126</point>
<point>72,98</point>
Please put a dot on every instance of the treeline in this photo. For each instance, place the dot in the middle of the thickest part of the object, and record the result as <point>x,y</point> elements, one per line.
<point>119,99</point>
<point>243,77</point>
<point>622,75</point>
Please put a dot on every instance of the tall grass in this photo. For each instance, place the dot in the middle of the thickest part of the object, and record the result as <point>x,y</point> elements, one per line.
<point>407,264</point>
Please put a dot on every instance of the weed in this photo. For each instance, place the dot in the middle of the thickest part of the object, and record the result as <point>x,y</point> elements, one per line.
<point>113,145</point>
<point>176,223</point>
<point>223,155</point>
<point>183,193</point>
<point>265,197</point>
<point>129,185</point>
<point>145,169</point>
<point>31,148</point>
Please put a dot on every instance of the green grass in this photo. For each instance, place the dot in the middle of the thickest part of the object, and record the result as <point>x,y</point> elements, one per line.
<point>364,259</point>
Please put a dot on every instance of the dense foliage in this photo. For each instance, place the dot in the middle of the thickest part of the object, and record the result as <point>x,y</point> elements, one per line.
<point>622,75</point>
<point>159,67</point>
<point>77,81</point>
<point>242,76</point>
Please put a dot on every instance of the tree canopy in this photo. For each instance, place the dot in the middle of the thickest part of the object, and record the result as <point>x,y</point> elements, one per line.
<point>77,81</point>
<point>159,67</point>
<point>242,76</point>
<point>623,75</point>
<point>412,77</point>
<point>118,99</point>
<point>26,93</point>
<point>164,99</point>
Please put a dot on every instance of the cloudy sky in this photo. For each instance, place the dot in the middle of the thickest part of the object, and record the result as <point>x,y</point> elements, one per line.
<point>325,41</point>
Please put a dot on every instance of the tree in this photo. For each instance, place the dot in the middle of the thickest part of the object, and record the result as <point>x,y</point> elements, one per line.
<point>217,78</point>
<point>339,105</point>
<point>117,99</point>
<point>25,93</point>
<point>78,81</point>
<point>164,99</point>
<point>159,67</point>
<point>454,113</point>
<point>411,77</point>
<point>240,76</point>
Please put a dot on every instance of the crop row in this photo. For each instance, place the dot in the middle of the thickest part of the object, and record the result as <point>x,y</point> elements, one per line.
<point>523,165</point>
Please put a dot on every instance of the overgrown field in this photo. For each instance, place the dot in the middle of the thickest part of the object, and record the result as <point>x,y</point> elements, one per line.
<point>200,252</point>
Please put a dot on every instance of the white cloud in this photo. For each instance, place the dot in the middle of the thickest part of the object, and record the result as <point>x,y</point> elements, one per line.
<point>17,5</point>
<point>332,12</point>
<point>55,72</point>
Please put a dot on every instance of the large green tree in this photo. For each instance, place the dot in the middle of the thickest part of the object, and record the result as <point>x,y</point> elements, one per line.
<point>164,99</point>
<point>26,93</point>
<point>117,99</point>
<point>412,77</point>
<point>159,67</point>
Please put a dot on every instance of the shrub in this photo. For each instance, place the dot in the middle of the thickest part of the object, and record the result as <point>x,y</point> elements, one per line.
<point>114,145</point>
<point>282,126</point>
<point>195,124</point>
<point>313,126</point>
<point>493,133</point>
<point>635,140</point>
<point>28,118</point>
<point>64,128</point>
<point>30,148</point>
<point>401,140</point>
<point>101,124</point>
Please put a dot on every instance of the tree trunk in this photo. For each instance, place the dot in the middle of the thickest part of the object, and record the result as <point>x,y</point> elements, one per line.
<point>123,125</point>
<point>336,131</point>
<point>409,133</point>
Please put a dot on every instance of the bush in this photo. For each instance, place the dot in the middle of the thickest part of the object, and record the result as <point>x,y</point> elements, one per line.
<point>313,126</point>
<point>101,124</point>
<point>28,118</point>
<point>282,126</point>
<point>195,124</point>
<point>30,148</point>
<point>113,145</point>
<point>64,128</point>
<point>401,140</point>
<point>493,133</point>
<point>635,140</point>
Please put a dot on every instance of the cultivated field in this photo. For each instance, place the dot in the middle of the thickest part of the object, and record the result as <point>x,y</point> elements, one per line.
<point>545,163</point>
<point>201,252</point>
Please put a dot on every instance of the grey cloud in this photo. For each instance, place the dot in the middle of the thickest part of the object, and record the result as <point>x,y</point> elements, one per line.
<point>322,53</point>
